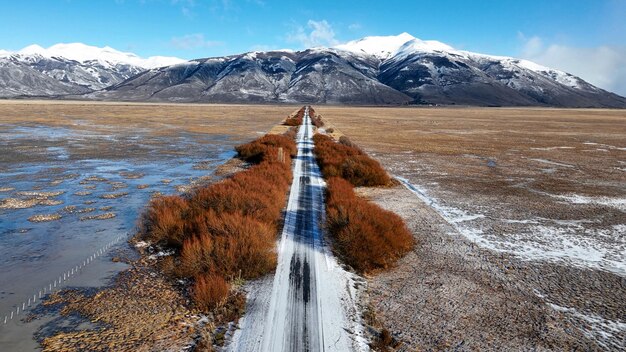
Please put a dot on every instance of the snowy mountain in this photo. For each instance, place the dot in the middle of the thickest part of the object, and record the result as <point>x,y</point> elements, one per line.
<point>374,70</point>
<point>64,69</point>
<point>380,47</point>
<point>104,56</point>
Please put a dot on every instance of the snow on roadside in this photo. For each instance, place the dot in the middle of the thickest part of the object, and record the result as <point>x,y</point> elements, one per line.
<point>543,239</point>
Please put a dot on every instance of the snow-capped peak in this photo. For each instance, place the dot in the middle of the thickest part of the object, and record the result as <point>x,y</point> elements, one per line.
<point>32,50</point>
<point>418,45</point>
<point>107,56</point>
<point>380,46</point>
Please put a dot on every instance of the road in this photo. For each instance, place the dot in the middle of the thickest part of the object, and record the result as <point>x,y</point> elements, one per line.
<point>305,310</point>
<point>306,306</point>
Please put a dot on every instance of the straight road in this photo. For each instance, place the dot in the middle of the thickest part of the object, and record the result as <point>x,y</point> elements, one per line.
<point>305,312</point>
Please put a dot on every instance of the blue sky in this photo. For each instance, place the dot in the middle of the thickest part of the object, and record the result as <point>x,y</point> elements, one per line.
<point>546,31</point>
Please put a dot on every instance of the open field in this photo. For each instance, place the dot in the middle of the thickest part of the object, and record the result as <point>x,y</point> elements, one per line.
<point>74,176</point>
<point>522,216</point>
<point>519,213</point>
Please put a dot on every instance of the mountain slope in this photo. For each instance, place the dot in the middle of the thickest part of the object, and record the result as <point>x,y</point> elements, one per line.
<point>316,75</point>
<point>374,70</point>
<point>65,69</point>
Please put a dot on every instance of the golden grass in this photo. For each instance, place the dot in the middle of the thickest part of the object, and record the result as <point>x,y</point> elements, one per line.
<point>161,119</point>
<point>495,149</point>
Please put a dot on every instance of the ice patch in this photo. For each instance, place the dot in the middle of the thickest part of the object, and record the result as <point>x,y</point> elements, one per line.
<point>552,148</point>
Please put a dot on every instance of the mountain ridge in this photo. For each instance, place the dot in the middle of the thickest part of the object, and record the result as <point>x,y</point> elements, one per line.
<point>373,71</point>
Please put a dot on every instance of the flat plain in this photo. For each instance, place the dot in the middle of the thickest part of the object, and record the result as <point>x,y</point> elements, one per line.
<point>521,217</point>
<point>74,178</point>
<point>519,213</point>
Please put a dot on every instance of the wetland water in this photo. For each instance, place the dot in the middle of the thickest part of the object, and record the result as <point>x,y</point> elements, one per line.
<point>98,181</point>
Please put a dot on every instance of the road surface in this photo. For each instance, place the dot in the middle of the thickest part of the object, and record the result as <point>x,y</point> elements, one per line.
<point>310,295</point>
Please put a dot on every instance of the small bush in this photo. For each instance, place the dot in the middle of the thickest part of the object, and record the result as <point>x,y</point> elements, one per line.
<point>210,291</point>
<point>330,130</point>
<point>366,236</point>
<point>256,150</point>
<point>295,120</point>
<point>230,245</point>
<point>348,161</point>
<point>291,132</point>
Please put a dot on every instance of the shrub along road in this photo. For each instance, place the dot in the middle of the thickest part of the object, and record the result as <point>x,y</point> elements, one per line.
<point>305,312</point>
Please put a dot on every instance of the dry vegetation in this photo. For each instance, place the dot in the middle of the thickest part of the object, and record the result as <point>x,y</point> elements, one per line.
<point>512,167</point>
<point>295,119</point>
<point>365,236</point>
<point>316,119</point>
<point>346,160</point>
<point>225,231</point>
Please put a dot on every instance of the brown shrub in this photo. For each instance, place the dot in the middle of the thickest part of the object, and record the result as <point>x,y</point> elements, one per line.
<point>366,236</point>
<point>349,162</point>
<point>256,150</point>
<point>295,120</point>
<point>228,228</point>
<point>230,245</point>
<point>316,120</point>
<point>210,291</point>
<point>384,341</point>
<point>258,192</point>
<point>164,221</point>
<point>291,132</point>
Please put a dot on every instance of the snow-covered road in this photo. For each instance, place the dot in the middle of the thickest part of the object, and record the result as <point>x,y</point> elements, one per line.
<point>311,295</point>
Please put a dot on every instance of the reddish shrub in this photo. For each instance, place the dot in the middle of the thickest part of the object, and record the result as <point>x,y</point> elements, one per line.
<point>349,162</point>
<point>364,235</point>
<point>291,132</point>
<point>210,291</point>
<point>230,245</point>
<point>295,120</point>
<point>228,228</point>
<point>257,149</point>
<point>165,219</point>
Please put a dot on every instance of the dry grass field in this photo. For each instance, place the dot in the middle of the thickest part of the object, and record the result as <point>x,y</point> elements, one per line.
<point>75,175</point>
<point>521,213</point>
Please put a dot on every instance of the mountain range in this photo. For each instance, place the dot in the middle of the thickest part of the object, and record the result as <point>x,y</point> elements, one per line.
<point>371,71</point>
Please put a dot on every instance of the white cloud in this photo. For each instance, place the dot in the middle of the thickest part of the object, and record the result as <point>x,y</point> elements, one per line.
<point>317,33</point>
<point>355,26</point>
<point>603,66</point>
<point>193,41</point>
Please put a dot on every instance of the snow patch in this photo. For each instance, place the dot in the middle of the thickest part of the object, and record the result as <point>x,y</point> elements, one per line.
<point>552,162</point>
<point>619,203</point>
<point>598,328</point>
<point>381,47</point>
<point>569,241</point>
